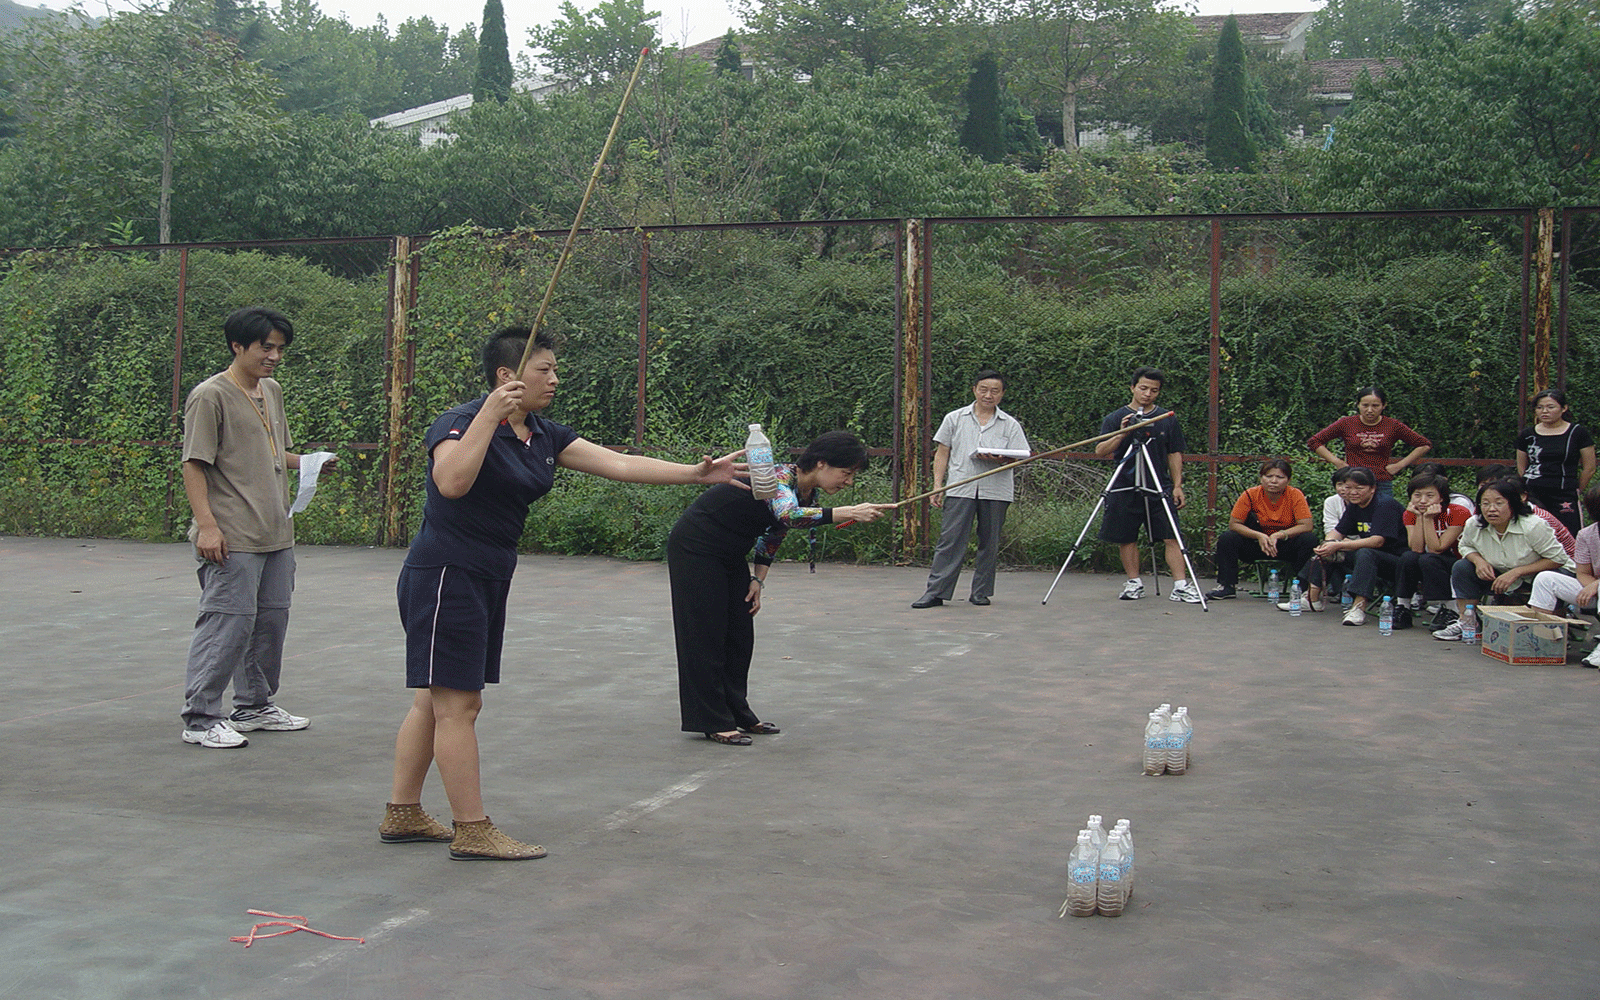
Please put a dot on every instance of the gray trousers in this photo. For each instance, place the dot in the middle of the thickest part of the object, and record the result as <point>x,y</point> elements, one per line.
<point>954,530</point>
<point>238,637</point>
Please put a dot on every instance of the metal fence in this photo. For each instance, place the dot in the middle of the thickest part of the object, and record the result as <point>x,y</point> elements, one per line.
<point>1265,323</point>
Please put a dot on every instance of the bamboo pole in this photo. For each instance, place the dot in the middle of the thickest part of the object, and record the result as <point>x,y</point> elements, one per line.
<point>1034,458</point>
<point>572,234</point>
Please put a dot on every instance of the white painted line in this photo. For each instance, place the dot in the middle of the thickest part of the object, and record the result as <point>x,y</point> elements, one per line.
<point>644,807</point>
<point>376,933</point>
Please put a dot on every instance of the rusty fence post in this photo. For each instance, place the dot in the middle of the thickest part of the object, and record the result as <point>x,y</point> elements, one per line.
<point>175,412</point>
<point>1214,408</point>
<point>644,339</point>
<point>1543,263</point>
<point>397,391</point>
<point>911,375</point>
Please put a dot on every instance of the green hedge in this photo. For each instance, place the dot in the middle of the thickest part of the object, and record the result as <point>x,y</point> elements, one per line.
<point>762,326</point>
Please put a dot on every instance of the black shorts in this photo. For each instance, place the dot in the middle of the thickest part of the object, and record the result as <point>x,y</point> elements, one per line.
<point>1125,515</point>
<point>455,624</point>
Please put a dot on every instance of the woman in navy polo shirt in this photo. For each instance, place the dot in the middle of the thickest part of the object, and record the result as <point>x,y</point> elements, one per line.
<point>488,461</point>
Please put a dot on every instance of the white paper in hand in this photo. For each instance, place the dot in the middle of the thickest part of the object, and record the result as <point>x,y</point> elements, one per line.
<point>310,467</point>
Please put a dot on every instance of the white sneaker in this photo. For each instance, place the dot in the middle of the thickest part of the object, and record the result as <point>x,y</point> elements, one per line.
<point>1185,591</point>
<point>219,737</point>
<point>1305,605</point>
<point>1355,616</point>
<point>1131,591</point>
<point>1450,633</point>
<point>1593,659</point>
<point>272,718</point>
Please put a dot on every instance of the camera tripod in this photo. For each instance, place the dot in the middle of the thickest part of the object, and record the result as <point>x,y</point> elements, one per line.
<point>1145,482</point>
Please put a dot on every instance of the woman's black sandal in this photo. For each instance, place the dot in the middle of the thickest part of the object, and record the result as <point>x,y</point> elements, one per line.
<point>761,729</point>
<point>732,741</point>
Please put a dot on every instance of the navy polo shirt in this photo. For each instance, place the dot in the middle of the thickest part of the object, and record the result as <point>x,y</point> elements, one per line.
<point>479,531</point>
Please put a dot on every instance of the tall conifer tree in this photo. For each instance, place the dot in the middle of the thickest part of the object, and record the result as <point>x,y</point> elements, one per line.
<point>983,134</point>
<point>1229,145</point>
<point>492,81</point>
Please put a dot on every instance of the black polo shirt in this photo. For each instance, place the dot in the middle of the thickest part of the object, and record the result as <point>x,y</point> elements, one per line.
<point>479,531</point>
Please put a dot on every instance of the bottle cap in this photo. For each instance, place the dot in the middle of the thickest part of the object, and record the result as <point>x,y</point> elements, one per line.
<point>755,427</point>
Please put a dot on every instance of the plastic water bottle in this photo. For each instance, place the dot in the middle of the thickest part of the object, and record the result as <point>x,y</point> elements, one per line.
<point>1125,828</point>
<point>1083,877</point>
<point>1155,746</point>
<point>1097,831</point>
<point>1111,894</point>
<point>763,474</point>
<point>1469,625</point>
<point>1294,599</point>
<point>1274,588</point>
<point>1386,617</point>
<point>1179,731</point>
<point>1346,599</point>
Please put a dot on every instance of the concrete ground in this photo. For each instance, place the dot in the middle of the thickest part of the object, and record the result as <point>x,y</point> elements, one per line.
<point>1366,817</point>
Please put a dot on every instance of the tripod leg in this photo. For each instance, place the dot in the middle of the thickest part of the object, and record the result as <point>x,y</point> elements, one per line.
<point>1183,549</point>
<point>1086,525</point>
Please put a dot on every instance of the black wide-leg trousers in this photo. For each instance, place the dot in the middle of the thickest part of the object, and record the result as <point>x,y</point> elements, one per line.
<point>715,637</point>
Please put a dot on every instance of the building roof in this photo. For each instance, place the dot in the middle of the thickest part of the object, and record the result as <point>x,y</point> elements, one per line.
<point>426,112</point>
<point>1266,27</point>
<point>1339,76</point>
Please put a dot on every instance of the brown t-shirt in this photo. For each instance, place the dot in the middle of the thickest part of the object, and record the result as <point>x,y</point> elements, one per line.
<point>247,474</point>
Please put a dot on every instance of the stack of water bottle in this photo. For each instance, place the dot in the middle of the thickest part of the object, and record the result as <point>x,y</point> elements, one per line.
<point>1100,870</point>
<point>1166,740</point>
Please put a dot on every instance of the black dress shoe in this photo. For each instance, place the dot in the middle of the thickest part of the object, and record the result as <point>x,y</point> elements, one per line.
<point>982,602</point>
<point>928,602</point>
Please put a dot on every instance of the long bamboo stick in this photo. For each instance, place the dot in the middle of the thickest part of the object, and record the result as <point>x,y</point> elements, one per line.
<point>1034,458</point>
<point>572,234</point>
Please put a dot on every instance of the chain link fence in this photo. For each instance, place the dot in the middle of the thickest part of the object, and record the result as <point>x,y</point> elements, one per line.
<point>675,337</point>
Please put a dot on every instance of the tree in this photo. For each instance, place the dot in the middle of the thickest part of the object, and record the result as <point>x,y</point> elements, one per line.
<point>730,58</point>
<point>811,34</point>
<point>119,108</point>
<point>1065,51</point>
<point>1372,29</point>
<point>1229,144</point>
<point>983,134</point>
<point>493,79</point>
<point>1511,117</point>
<point>1169,102</point>
<point>587,48</point>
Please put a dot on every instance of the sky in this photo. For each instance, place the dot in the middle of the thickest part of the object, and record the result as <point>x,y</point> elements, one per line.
<point>682,23</point>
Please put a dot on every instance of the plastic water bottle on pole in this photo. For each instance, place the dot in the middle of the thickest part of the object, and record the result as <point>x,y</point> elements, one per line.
<point>763,474</point>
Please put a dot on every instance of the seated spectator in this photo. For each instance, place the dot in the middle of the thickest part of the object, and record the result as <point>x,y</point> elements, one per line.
<point>1504,546</point>
<point>1552,588</point>
<point>1459,499</point>
<point>1504,473</point>
<point>1269,521</point>
<point>1370,537</point>
<point>1332,510</point>
<point>1432,526</point>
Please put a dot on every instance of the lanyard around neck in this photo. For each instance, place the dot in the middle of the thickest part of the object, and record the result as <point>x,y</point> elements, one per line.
<point>260,412</point>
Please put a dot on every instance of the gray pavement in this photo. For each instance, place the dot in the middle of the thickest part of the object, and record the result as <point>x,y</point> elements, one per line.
<point>1366,817</point>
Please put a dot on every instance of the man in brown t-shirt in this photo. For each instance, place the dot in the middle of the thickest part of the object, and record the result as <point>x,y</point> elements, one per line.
<point>235,472</point>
